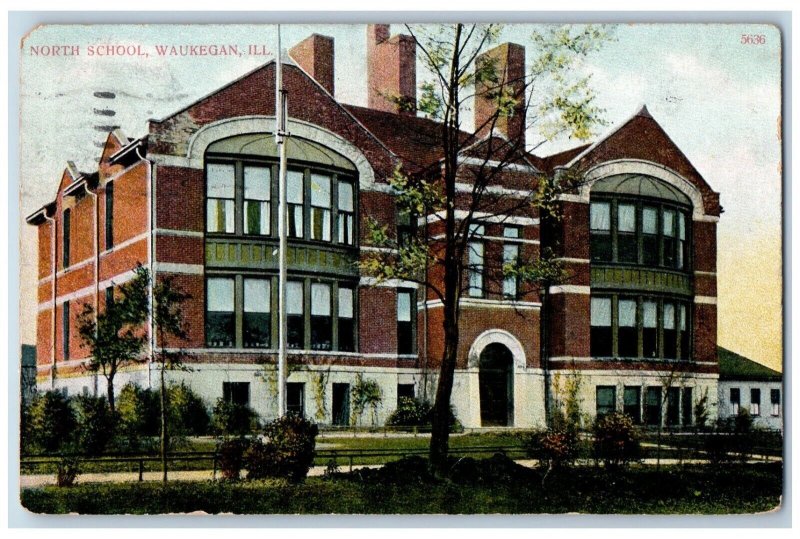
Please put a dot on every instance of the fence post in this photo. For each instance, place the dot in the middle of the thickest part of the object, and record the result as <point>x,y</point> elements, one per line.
<point>141,469</point>
<point>214,476</point>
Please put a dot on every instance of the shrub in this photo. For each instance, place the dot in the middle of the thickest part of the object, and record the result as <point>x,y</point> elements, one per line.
<point>554,448</point>
<point>230,456</point>
<point>231,419</point>
<point>139,412</point>
<point>96,424</point>
<point>410,413</point>
<point>616,442</point>
<point>188,413</point>
<point>52,421</point>
<point>67,471</point>
<point>288,451</point>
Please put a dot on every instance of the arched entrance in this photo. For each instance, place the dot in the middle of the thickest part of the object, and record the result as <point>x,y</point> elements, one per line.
<point>495,380</point>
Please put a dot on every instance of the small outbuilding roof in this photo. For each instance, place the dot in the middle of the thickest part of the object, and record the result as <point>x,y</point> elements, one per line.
<point>733,366</point>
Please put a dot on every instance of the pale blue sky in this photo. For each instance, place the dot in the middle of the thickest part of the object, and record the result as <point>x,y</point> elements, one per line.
<point>718,99</point>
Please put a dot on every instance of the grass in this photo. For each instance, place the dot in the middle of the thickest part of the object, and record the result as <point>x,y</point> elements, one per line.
<point>639,490</point>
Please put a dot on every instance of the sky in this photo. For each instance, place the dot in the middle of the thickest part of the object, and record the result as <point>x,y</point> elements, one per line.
<point>719,99</point>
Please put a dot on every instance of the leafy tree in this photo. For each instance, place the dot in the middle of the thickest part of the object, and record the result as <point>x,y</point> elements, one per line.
<point>232,419</point>
<point>138,411</point>
<point>52,421</point>
<point>188,411</point>
<point>457,73</point>
<point>115,337</point>
<point>96,424</point>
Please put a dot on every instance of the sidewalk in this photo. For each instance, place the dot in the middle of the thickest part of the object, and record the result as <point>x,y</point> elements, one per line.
<point>30,481</point>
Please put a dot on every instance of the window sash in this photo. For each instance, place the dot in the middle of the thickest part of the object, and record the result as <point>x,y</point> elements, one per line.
<point>626,218</point>
<point>294,187</point>
<point>404,308</point>
<point>320,299</point>
<point>649,220</point>
<point>320,190</point>
<point>627,312</point>
<point>294,298</point>
<point>220,294</point>
<point>475,262</point>
<point>510,256</point>
<point>256,296</point>
<point>600,216</point>
<point>346,199</point>
<point>220,180</point>
<point>257,182</point>
<point>601,312</point>
<point>345,302</point>
<point>511,232</point>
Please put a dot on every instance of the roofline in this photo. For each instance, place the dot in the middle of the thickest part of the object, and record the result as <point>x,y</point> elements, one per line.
<point>41,214</point>
<point>130,146</point>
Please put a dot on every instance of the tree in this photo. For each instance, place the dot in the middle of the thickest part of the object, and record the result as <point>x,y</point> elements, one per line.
<point>460,72</point>
<point>115,337</point>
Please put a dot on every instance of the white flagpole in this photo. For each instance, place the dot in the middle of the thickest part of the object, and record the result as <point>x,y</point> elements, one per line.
<point>281,111</point>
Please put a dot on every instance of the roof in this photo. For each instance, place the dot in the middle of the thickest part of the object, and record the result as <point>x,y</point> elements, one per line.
<point>733,366</point>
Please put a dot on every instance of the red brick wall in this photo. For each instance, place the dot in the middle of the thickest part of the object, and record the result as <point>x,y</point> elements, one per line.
<point>377,331</point>
<point>315,55</point>
<point>193,309</point>
<point>705,332</point>
<point>180,198</point>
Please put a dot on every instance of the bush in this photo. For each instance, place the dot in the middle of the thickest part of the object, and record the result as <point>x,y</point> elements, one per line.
<point>616,442</point>
<point>139,412</point>
<point>554,448</point>
<point>288,451</point>
<point>410,413</point>
<point>52,422</point>
<point>96,424</point>
<point>188,413</point>
<point>230,419</point>
<point>67,471</point>
<point>230,456</point>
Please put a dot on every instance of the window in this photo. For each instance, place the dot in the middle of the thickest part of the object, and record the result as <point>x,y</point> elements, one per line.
<point>220,197</point>
<point>600,337</point>
<point>673,405</point>
<point>755,401</point>
<point>257,322</point>
<point>236,393</point>
<point>65,239</point>
<point>511,232</point>
<point>405,391</point>
<point>346,214</point>
<point>775,400</point>
<point>294,203</point>
<point>295,320</point>
<point>109,296</point>
<point>257,187</point>
<point>632,403</point>
<point>735,400</point>
<point>405,328</point>
<point>320,207</point>
<point>321,319</point>
<point>606,400</point>
<point>510,257</point>
<point>652,407</point>
<point>65,329</point>
<point>475,262</point>
<point>600,225</point>
<point>660,331</point>
<point>346,320</point>
<point>295,398</point>
<point>686,406</point>
<point>405,228</point>
<point>627,334</point>
<point>109,215</point>
<point>628,231</point>
<point>220,313</point>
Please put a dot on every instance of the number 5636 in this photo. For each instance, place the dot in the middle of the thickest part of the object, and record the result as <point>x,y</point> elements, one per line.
<point>753,39</point>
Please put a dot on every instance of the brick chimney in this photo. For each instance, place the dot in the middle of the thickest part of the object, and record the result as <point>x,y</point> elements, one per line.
<point>509,65</point>
<point>315,56</point>
<point>391,71</point>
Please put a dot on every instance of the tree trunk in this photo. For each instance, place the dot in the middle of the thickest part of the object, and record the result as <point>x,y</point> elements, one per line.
<point>110,392</point>
<point>164,437</point>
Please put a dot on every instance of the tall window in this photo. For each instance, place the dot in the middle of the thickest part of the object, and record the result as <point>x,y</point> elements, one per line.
<point>755,401</point>
<point>669,238</point>
<point>632,402</point>
<point>650,236</point>
<point>65,238</point>
<point>775,401</point>
<point>295,323</point>
<point>321,319</point>
<point>649,329</point>
<point>405,328</point>
<point>109,215</point>
<point>686,406</point>
<point>683,331</point>
<point>606,400</point>
<point>257,322</point>
<point>601,337</point>
<point>220,197</point>
<point>295,398</point>
<point>652,406</point>
<point>627,247</point>
<point>405,228</point>
<point>294,203</point>
<point>670,334</point>
<point>220,313</point>
<point>510,257</point>
<point>475,261</point>
<point>257,187</point>
<point>346,320</point>
<point>320,207</point>
<point>735,400</point>
<point>346,214</point>
<point>600,225</point>
<point>673,405</point>
<point>65,329</point>
<point>628,334</point>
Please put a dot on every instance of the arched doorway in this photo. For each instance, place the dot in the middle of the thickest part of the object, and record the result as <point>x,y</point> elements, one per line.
<point>495,380</point>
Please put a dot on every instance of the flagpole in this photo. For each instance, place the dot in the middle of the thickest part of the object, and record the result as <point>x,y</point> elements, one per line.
<point>281,110</point>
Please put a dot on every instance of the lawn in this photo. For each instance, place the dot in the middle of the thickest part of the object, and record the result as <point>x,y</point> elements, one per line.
<point>640,490</point>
